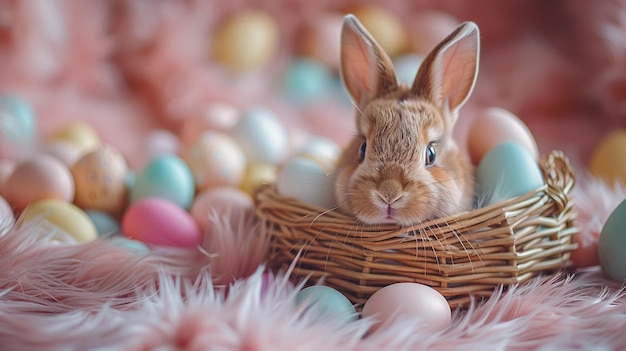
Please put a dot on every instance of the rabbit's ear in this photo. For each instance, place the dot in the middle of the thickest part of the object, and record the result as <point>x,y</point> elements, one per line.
<point>447,75</point>
<point>366,70</point>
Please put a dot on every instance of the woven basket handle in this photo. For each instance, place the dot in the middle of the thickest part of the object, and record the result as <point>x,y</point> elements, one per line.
<point>560,178</point>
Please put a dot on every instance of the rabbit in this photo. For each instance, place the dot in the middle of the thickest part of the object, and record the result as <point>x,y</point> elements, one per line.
<point>403,166</point>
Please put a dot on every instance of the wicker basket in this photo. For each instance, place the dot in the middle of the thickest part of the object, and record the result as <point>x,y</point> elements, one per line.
<point>465,255</point>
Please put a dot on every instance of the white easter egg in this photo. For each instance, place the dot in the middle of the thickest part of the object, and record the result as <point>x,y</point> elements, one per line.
<point>306,180</point>
<point>321,150</point>
<point>262,137</point>
<point>216,160</point>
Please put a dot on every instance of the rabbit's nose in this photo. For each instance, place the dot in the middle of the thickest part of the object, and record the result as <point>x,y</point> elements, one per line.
<point>390,191</point>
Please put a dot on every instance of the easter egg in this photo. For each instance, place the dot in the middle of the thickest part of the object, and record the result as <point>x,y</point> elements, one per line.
<point>62,215</point>
<point>40,177</point>
<point>384,26</point>
<point>167,177</point>
<point>608,160</point>
<point>100,179</point>
<point>216,160</point>
<point>507,170</point>
<point>134,246</point>
<point>262,137</point>
<point>306,80</point>
<point>409,300</point>
<point>321,39</point>
<point>222,205</point>
<point>214,116</point>
<point>493,126</point>
<point>612,244</point>
<point>306,180</point>
<point>81,134</point>
<point>258,174</point>
<point>321,150</point>
<point>18,125</point>
<point>65,151</point>
<point>428,28</point>
<point>105,224</point>
<point>160,142</point>
<point>160,222</point>
<point>246,41</point>
<point>327,303</point>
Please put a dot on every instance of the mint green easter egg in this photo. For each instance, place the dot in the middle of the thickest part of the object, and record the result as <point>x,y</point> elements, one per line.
<point>327,303</point>
<point>612,244</point>
<point>167,177</point>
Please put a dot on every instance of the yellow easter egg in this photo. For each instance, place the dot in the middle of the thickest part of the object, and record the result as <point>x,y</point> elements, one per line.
<point>608,160</point>
<point>100,180</point>
<point>246,41</point>
<point>80,134</point>
<point>61,215</point>
<point>384,26</point>
<point>256,175</point>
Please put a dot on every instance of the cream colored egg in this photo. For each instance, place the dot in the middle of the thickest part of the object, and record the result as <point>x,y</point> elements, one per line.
<point>246,41</point>
<point>608,160</point>
<point>80,134</point>
<point>59,218</point>
<point>65,151</point>
<point>40,177</point>
<point>257,175</point>
<point>215,160</point>
<point>384,26</point>
<point>306,180</point>
<point>100,178</point>
<point>494,126</point>
<point>215,116</point>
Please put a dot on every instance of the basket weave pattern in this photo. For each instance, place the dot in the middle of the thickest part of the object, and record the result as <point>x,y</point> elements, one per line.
<point>462,255</point>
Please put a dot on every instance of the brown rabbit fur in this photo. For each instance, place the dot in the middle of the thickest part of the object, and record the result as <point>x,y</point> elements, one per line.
<point>390,178</point>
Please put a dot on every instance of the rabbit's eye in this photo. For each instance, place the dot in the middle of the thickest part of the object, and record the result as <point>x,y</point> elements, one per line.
<point>362,150</point>
<point>431,154</point>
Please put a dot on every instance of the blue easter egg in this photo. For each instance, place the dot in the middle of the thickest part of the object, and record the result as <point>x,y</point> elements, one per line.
<point>105,224</point>
<point>306,80</point>
<point>261,136</point>
<point>327,303</point>
<point>167,177</point>
<point>17,120</point>
<point>506,171</point>
<point>131,245</point>
<point>612,244</point>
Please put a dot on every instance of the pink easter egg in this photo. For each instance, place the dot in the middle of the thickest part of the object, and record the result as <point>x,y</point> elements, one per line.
<point>408,300</point>
<point>160,222</point>
<point>222,202</point>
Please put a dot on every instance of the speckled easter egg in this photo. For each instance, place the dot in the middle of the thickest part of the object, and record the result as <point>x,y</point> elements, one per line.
<point>493,126</point>
<point>100,179</point>
<point>167,177</point>
<point>612,244</point>
<point>507,170</point>
<point>215,160</point>
<point>262,137</point>
<point>40,177</point>
<point>18,125</point>
<point>327,303</point>
<point>306,80</point>
<point>81,134</point>
<point>608,160</point>
<point>65,216</point>
<point>246,41</point>
<point>384,26</point>
<point>160,222</point>
<point>409,300</point>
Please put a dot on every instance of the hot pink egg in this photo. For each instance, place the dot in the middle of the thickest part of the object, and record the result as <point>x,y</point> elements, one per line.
<point>160,222</point>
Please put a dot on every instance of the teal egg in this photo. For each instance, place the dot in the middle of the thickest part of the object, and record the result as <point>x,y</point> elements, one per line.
<point>17,120</point>
<point>612,244</point>
<point>167,177</point>
<point>131,245</point>
<point>105,224</point>
<point>306,80</point>
<point>328,303</point>
<point>506,171</point>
